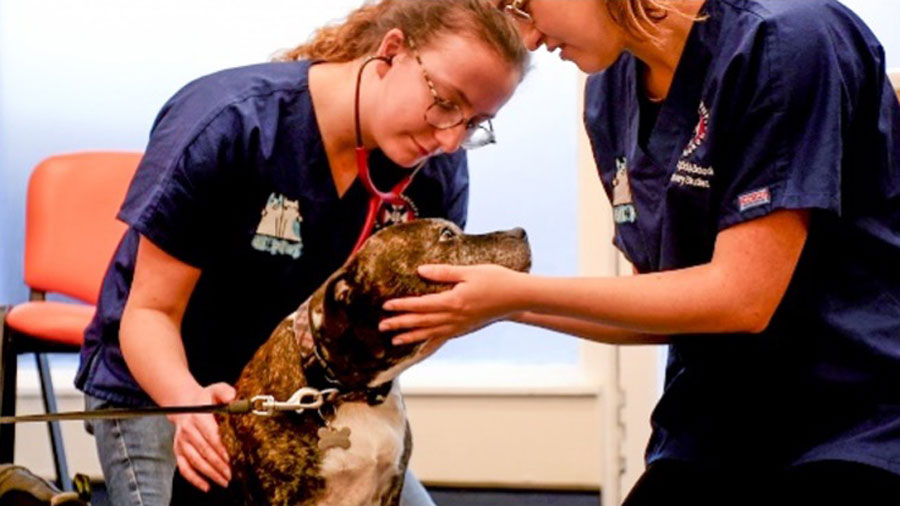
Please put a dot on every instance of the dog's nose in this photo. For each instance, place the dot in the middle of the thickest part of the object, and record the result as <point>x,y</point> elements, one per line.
<point>518,233</point>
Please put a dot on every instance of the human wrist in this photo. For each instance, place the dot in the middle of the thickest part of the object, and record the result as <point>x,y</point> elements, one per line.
<point>179,392</point>
<point>518,301</point>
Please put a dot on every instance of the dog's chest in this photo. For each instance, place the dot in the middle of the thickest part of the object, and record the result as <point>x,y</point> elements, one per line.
<point>363,473</point>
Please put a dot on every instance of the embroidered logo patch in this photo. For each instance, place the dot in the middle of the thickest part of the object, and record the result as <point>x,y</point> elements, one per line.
<point>691,174</point>
<point>278,231</point>
<point>753,199</point>
<point>623,205</point>
<point>699,131</point>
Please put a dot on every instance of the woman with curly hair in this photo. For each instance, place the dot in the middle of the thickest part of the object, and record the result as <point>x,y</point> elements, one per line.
<point>255,186</point>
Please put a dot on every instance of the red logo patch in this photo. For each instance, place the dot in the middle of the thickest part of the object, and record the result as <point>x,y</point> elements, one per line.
<point>754,199</point>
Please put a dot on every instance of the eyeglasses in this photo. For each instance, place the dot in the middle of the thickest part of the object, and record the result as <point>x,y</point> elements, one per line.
<point>516,8</point>
<point>444,114</point>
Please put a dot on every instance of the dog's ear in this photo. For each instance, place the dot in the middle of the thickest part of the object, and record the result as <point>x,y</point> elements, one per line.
<point>342,291</point>
<point>330,305</point>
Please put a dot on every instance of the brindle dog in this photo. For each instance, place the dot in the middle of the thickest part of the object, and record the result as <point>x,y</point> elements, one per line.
<point>355,449</point>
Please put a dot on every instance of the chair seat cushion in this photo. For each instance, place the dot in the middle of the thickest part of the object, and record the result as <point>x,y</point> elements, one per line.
<point>57,322</point>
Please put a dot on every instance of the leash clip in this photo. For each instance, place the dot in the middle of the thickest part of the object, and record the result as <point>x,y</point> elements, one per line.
<point>301,400</point>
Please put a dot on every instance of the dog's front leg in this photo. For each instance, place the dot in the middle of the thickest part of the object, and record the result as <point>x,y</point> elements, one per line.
<point>392,495</point>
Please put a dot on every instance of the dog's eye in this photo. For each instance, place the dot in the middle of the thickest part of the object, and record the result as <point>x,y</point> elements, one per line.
<point>446,235</point>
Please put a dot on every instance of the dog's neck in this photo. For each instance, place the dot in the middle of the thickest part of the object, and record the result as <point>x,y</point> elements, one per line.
<point>317,371</point>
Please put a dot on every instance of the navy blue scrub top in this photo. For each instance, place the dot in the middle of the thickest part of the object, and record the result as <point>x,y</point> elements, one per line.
<point>774,105</point>
<point>235,181</point>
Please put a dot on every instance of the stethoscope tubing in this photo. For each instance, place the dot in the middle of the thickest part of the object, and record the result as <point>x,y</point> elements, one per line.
<point>377,198</point>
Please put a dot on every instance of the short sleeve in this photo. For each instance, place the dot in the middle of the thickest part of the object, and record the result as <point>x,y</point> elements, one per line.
<point>178,187</point>
<point>794,99</point>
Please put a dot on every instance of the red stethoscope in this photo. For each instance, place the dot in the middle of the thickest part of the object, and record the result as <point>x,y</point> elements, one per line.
<point>403,209</point>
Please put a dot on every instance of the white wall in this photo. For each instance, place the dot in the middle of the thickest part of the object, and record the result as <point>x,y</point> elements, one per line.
<point>882,17</point>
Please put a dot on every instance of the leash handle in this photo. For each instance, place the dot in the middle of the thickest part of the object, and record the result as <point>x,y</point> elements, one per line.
<point>238,407</point>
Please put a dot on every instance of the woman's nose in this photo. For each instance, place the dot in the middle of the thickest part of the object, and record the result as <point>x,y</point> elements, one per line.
<point>531,36</point>
<point>450,138</point>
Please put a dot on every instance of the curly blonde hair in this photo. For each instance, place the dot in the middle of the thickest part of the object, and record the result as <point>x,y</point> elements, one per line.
<point>421,20</point>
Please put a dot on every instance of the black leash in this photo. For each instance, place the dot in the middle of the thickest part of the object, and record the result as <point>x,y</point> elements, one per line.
<point>307,397</point>
<point>261,405</point>
<point>237,407</point>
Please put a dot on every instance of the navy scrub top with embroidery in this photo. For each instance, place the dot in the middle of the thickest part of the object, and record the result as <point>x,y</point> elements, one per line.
<point>774,105</point>
<point>235,181</point>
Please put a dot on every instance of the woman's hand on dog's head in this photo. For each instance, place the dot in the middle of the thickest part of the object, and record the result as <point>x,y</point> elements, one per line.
<point>482,294</point>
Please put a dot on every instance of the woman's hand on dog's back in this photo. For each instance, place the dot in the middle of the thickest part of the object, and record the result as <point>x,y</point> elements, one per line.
<point>153,349</point>
<point>199,451</point>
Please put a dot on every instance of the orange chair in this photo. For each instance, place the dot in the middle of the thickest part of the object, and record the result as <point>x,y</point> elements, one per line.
<point>70,235</point>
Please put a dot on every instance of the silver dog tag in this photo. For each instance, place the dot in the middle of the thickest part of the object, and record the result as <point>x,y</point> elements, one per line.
<point>334,438</point>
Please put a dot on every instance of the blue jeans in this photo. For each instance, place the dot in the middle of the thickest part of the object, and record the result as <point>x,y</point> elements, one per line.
<point>138,461</point>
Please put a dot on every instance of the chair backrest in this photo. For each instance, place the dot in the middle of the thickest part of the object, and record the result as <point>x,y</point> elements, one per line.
<point>71,229</point>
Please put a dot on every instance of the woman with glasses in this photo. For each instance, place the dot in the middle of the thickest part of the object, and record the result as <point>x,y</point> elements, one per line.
<point>751,153</point>
<point>256,184</point>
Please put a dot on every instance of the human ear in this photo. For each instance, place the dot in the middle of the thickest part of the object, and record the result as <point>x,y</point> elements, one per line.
<point>392,44</point>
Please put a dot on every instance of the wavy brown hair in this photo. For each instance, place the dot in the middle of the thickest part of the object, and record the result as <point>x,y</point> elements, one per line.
<point>421,20</point>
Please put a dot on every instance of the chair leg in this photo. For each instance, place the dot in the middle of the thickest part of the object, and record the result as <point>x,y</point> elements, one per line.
<point>8,366</point>
<point>63,480</point>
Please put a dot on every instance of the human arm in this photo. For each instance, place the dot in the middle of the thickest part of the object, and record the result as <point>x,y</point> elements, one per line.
<point>737,291</point>
<point>150,337</point>
<point>588,329</point>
